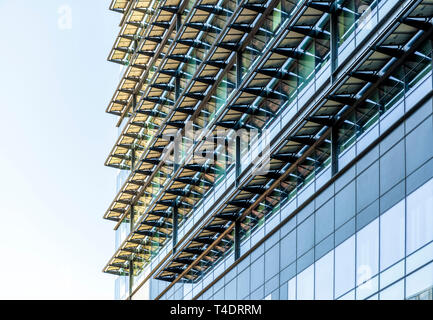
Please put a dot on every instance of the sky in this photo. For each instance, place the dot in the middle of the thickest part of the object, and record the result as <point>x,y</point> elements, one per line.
<point>55,85</point>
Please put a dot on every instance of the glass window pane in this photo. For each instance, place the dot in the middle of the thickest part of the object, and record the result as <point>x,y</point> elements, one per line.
<point>394,292</point>
<point>230,290</point>
<point>325,277</point>
<point>419,281</point>
<point>392,235</point>
<point>366,289</point>
<point>305,235</point>
<point>291,288</point>
<point>392,274</point>
<point>367,253</point>
<point>392,167</point>
<point>420,217</point>
<point>346,21</point>
<point>305,284</point>
<point>368,186</point>
<point>244,283</point>
<point>288,249</point>
<point>418,146</point>
<point>345,267</point>
<point>258,271</point>
<point>325,221</point>
<point>272,262</point>
<point>345,205</point>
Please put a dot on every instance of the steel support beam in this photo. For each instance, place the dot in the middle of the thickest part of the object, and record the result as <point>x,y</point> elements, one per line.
<point>238,69</point>
<point>333,23</point>
<point>237,239</point>
<point>334,150</point>
<point>175,227</point>
<point>134,102</point>
<point>131,262</point>
<point>238,159</point>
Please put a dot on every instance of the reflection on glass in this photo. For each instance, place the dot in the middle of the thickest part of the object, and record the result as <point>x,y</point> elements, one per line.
<point>392,235</point>
<point>305,284</point>
<point>367,253</point>
<point>325,277</point>
<point>419,281</point>
<point>291,287</point>
<point>345,267</point>
<point>394,292</point>
<point>420,217</point>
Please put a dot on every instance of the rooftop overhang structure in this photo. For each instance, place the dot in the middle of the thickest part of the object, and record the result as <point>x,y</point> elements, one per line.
<point>120,6</point>
<point>192,78</point>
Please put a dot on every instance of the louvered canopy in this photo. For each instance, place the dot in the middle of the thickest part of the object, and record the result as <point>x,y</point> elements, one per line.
<point>203,53</point>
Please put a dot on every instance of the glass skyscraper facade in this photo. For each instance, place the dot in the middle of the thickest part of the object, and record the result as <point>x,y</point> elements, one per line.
<point>277,149</point>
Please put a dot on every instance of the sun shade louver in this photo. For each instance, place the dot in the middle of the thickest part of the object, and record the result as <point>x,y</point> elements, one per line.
<point>324,6</point>
<point>235,71</point>
<point>213,9</point>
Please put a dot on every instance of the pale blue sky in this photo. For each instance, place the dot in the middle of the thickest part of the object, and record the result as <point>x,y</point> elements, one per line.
<point>54,189</point>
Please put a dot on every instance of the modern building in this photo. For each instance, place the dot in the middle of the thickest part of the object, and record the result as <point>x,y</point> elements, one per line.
<point>273,149</point>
